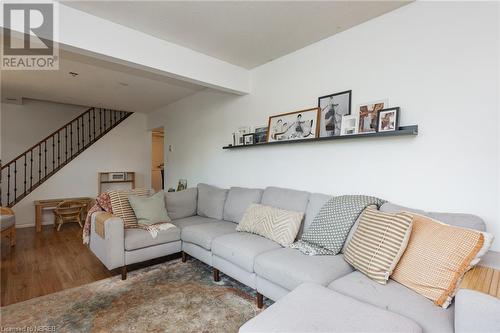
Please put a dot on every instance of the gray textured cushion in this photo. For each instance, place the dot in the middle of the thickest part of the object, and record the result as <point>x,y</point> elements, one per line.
<point>241,248</point>
<point>181,204</point>
<point>7,221</point>
<point>238,200</point>
<point>140,238</point>
<point>192,220</point>
<point>396,298</point>
<point>313,308</point>
<point>289,268</point>
<point>459,220</point>
<point>204,234</point>
<point>316,201</point>
<point>211,201</point>
<point>285,199</point>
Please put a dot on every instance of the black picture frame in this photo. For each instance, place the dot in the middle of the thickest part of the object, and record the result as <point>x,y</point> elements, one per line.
<point>396,111</point>
<point>245,136</point>
<point>323,130</point>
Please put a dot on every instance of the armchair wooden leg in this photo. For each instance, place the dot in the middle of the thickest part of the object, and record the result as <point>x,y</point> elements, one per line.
<point>184,256</point>
<point>216,275</point>
<point>124,272</point>
<point>260,300</point>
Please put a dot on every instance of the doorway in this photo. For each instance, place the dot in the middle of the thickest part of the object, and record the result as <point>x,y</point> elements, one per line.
<point>157,161</point>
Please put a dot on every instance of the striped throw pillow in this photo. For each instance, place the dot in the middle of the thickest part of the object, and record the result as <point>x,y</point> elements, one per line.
<point>279,225</point>
<point>121,206</point>
<point>378,243</point>
<point>437,257</point>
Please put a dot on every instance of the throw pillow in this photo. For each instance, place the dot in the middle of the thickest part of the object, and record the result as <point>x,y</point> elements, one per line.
<point>149,210</point>
<point>276,224</point>
<point>437,257</point>
<point>329,229</point>
<point>181,204</point>
<point>211,201</point>
<point>378,243</point>
<point>121,206</point>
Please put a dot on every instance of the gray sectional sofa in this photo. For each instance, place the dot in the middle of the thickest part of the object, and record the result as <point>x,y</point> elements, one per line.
<point>304,286</point>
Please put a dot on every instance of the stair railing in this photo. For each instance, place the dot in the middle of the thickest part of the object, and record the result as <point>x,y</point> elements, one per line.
<point>30,169</point>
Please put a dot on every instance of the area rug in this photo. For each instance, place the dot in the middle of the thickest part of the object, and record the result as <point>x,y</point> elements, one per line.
<point>169,297</point>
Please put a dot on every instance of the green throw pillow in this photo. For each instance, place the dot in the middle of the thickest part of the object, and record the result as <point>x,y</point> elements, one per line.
<point>149,210</point>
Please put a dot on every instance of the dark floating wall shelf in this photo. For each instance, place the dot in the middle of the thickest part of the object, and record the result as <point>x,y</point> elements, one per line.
<point>403,130</point>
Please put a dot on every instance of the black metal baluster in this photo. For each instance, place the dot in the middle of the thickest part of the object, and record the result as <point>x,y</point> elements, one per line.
<point>100,121</point>
<point>58,149</point>
<point>90,134</point>
<point>78,134</point>
<point>53,153</point>
<point>66,143</point>
<point>8,184</point>
<point>39,162</point>
<point>15,180</point>
<point>31,169</point>
<point>83,132</point>
<point>45,158</point>
<point>71,139</point>
<point>105,110</point>
<point>93,119</point>
<point>25,164</point>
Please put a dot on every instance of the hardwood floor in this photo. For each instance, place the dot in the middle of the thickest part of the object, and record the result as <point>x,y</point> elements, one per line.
<point>46,262</point>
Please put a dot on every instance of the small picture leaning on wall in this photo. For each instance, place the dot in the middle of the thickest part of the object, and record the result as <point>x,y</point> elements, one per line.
<point>182,185</point>
<point>332,108</point>
<point>388,120</point>
<point>368,116</point>
<point>293,125</point>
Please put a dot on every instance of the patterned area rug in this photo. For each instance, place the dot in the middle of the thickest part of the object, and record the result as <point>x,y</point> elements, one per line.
<point>169,297</point>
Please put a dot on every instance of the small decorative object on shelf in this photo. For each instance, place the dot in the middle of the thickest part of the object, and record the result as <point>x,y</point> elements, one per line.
<point>388,120</point>
<point>368,115</point>
<point>297,125</point>
<point>248,139</point>
<point>332,108</point>
<point>349,125</point>
<point>182,185</point>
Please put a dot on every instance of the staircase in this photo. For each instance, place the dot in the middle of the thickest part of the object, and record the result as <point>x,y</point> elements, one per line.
<point>29,170</point>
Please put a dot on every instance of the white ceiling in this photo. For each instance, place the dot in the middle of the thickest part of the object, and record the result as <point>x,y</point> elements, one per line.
<point>99,83</point>
<point>244,33</point>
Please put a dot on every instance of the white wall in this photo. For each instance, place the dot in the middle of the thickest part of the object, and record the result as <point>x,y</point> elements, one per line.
<point>126,148</point>
<point>23,125</point>
<point>423,58</point>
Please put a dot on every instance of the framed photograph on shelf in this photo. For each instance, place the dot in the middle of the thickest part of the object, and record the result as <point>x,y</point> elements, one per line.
<point>248,139</point>
<point>260,134</point>
<point>368,115</point>
<point>349,125</point>
<point>295,125</point>
<point>332,108</point>
<point>388,120</point>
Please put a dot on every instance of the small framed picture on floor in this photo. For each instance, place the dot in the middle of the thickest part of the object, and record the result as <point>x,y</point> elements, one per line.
<point>388,120</point>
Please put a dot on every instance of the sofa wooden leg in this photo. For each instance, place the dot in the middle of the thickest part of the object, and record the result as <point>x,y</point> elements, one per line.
<point>124,272</point>
<point>184,256</point>
<point>216,275</point>
<point>260,300</point>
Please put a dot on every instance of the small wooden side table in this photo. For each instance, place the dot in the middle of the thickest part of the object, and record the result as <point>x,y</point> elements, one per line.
<point>483,279</point>
<point>52,203</point>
